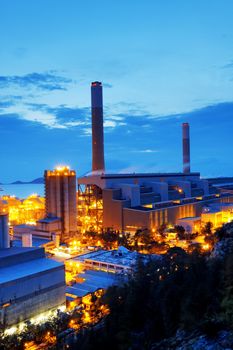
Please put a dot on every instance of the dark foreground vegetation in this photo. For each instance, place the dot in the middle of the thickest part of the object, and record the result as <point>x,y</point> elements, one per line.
<point>185,292</point>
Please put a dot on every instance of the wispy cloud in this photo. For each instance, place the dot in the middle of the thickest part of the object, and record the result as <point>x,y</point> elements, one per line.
<point>228,65</point>
<point>6,104</point>
<point>43,81</point>
<point>146,151</point>
<point>107,85</point>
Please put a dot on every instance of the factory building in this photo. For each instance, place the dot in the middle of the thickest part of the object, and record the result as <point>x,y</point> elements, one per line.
<point>60,204</point>
<point>30,283</point>
<point>127,202</point>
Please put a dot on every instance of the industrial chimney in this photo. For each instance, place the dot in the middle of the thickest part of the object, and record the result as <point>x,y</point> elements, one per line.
<point>186,148</point>
<point>97,127</point>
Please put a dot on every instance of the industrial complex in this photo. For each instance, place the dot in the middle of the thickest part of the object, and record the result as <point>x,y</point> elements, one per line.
<point>70,266</point>
<point>128,202</point>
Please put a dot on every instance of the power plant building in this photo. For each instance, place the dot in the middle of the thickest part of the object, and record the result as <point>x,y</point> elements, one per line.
<point>137,201</point>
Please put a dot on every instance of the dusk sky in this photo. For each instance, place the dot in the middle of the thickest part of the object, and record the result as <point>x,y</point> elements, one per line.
<point>162,62</point>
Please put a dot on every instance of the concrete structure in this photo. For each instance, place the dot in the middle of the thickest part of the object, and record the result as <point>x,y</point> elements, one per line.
<point>186,148</point>
<point>97,128</point>
<point>30,284</point>
<point>60,201</point>
<point>4,235</point>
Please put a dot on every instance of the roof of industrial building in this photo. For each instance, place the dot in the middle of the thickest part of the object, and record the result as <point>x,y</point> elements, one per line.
<point>106,176</point>
<point>119,257</point>
<point>136,175</point>
<point>122,257</point>
<point>94,280</point>
<point>26,269</point>
<point>14,250</point>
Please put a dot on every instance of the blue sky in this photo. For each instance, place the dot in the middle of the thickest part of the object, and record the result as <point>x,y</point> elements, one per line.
<point>162,62</point>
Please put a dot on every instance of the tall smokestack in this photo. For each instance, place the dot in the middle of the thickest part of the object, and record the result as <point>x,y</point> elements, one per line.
<point>97,127</point>
<point>186,148</point>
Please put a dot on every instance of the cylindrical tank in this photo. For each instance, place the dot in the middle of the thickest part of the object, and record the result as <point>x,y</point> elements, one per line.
<point>97,127</point>
<point>186,148</point>
<point>4,233</point>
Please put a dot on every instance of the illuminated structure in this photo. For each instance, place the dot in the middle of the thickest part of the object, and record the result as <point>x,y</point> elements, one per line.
<point>127,202</point>
<point>60,203</point>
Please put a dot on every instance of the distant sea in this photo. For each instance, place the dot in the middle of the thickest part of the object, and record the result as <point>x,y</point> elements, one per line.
<point>22,191</point>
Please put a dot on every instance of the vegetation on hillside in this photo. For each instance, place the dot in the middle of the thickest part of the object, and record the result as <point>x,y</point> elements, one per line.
<point>183,292</point>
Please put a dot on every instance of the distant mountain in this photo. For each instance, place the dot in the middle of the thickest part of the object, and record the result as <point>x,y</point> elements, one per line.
<point>17,183</point>
<point>39,180</point>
